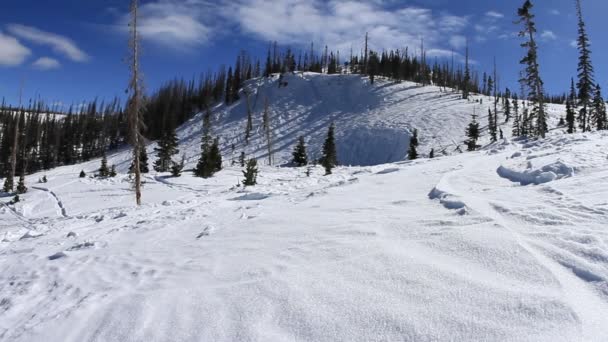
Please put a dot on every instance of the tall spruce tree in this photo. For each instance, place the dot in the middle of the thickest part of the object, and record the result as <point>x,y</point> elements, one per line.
<point>167,148</point>
<point>532,78</point>
<point>300,158</point>
<point>492,126</point>
<point>251,173</point>
<point>412,152</point>
<point>585,72</point>
<point>571,109</point>
<point>329,159</point>
<point>210,160</point>
<point>516,117</point>
<point>472,133</point>
<point>104,171</point>
<point>598,117</point>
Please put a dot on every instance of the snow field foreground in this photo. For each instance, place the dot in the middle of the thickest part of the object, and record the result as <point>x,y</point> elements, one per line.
<point>447,249</point>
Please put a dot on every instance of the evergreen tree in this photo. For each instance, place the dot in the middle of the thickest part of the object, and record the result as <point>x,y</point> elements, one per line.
<point>177,168</point>
<point>516,117</point>
<point>215,156</point>
<point>599,110</point>
<point>112,172</point>
<point>9,183</point>
<point>143,162</point>
<point>329,158</point>
<point>507,105</point>
<point>82,174</point>
<point>300,157</point>
<point>167,148</point>
<point>492,127</point>
<point>412,153</point>
<point>571,109</point>
<point>432,154</point>
<point>531,76</point>
<point>585,72</point>
<point>21,188</point>
<point>104,171</point>
<point>210,161</point>
<point>251,173</point>
<point>242,159</point>
<point>472,133</point>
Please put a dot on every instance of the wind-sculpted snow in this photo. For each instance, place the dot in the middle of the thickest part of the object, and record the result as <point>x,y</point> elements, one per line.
<point>427,250</point>
<point>546,174</point>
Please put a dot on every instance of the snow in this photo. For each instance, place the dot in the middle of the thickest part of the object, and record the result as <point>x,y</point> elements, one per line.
<point>443,249</point>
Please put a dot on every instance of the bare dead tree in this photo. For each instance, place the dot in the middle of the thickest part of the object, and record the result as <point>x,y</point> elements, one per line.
<point>249,126</point>
<point>267,130</point>
<point>135,104</point>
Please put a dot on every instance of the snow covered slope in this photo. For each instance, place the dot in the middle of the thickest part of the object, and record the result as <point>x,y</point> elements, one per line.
<point>373,122</point>
<point>448,249</point>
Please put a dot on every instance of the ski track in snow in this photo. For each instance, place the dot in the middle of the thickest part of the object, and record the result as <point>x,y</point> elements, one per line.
<point>431,250</point>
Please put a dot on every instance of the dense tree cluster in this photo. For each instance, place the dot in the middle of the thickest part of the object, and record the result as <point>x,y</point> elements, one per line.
<point>44,141</point>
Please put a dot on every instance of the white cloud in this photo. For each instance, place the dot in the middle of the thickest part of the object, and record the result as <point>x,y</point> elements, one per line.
<point>458,41</point>
<point>12,52</point>
<point>495,15</point>
<point>60,44</point>
<point>574,44</point>
<point>548,35</point>
<point>343,23</point>
<point>554,12</point>
<point>178,24</point>
<point>46,63</point>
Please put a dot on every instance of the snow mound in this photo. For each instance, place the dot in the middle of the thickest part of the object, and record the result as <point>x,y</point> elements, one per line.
<point>545,174</point>
<point>449,201</point>
<point>254,196</point>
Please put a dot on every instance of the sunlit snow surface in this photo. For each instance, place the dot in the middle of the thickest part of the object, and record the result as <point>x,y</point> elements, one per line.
<point>450,249</point>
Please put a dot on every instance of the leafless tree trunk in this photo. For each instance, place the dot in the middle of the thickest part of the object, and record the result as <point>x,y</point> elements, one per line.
<point>267,130</point>
<point>135,101</point>
<point>249,126</point>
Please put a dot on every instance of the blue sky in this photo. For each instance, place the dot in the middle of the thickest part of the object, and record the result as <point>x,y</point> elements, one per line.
<point>66,51</point>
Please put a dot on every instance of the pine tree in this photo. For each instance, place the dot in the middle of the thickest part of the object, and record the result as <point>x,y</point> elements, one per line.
<point>571,109</point>
<point>82,174</point>
<point>507,105</point>
<point>329,158</point>
<point>531,76</point>
<point>472,133</point>
<point>9,183</point>
<point>251,173</point>
<point>21,188</point>
<point>143,162</point>
<point>432,153</point>
<point>112,172</point>
<point>167,148</point>
<point>492,127</point>
<point>104,171</point>
<point>210,160</point>
<point>242,159</point>
<point>412,153</point>
<point>585,72</point>
<point>516,117</point>
<point>598,117</point>
<point>300,157</point>
<point>177,168</point>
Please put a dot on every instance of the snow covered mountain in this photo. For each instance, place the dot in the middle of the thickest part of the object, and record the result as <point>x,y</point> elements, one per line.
<point>505,244</point>
<point>373,122</point>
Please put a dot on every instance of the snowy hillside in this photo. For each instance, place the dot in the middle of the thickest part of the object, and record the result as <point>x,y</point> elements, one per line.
<point>505,244</point>
<point>373,122</point>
